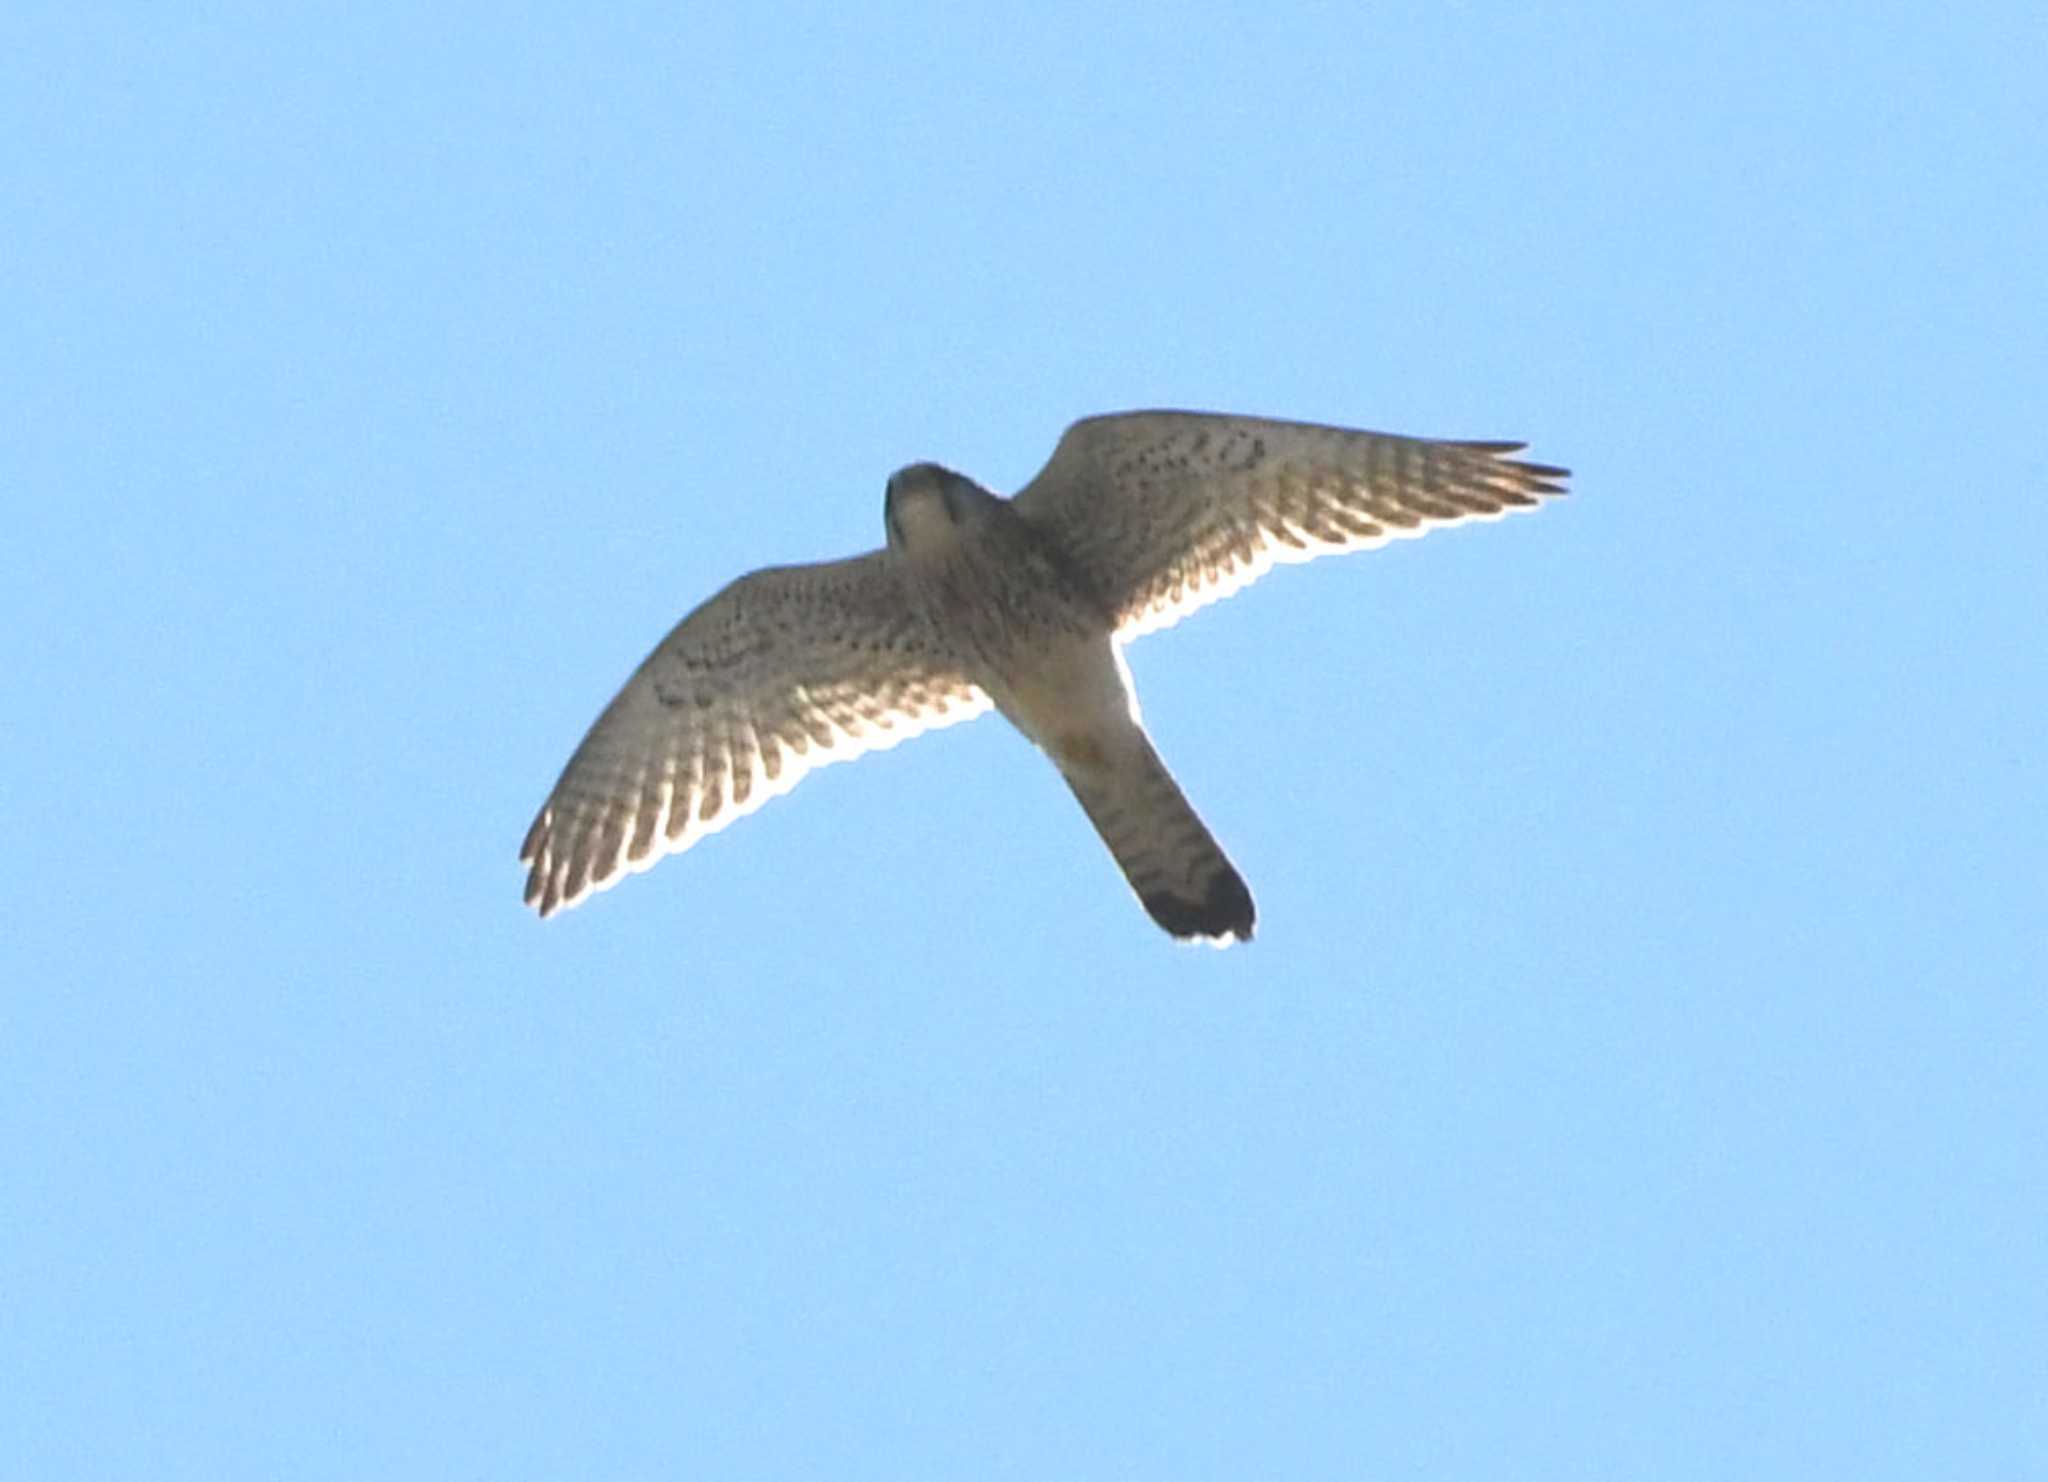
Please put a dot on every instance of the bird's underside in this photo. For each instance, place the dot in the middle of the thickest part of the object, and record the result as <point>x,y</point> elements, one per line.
<point>1021,605</point>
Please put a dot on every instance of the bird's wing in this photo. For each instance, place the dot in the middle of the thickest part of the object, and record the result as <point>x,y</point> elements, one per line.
<point>785,670</point>
<point>1166,512</point>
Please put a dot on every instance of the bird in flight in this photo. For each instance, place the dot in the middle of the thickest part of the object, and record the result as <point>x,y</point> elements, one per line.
<point>1023,605</point>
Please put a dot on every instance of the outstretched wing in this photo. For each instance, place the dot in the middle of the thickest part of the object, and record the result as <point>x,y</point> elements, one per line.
<point>1168,511</point>
<point>785,670</point>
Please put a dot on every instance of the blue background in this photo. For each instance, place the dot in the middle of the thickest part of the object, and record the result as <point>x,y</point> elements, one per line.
<point>1638,1072</point>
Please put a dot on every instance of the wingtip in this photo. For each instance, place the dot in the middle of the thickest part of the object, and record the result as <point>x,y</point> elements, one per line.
<point>544,893</point>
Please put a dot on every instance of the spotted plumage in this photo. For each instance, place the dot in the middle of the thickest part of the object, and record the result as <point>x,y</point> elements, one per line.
<point>1023,605</point>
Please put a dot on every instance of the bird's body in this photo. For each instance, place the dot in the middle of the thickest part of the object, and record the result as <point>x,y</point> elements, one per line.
<point>1020,604</point>
<point>1038,639</point>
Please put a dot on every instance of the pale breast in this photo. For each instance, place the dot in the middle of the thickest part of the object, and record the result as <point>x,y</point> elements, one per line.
<point>1074,699</point>
<point>1039,642</point>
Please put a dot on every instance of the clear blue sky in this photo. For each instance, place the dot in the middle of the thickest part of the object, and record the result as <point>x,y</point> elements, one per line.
<point>1639,1069</point>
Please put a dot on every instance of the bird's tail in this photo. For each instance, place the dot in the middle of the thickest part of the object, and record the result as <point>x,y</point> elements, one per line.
<point>1173,862</point>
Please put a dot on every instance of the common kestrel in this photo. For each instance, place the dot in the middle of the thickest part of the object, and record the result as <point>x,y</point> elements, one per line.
<point>1024,604</point>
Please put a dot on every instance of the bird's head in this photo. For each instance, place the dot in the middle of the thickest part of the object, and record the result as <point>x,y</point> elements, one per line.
<point>926,503</point>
